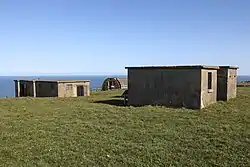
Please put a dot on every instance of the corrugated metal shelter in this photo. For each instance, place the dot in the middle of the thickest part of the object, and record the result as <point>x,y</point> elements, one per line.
<point>50,88</point>
<point>115,83</point>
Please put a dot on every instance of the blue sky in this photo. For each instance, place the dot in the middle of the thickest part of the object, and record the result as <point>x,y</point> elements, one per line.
<point>104,36</point>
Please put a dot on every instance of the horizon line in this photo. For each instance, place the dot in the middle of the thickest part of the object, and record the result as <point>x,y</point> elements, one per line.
<point>60,74</point>
<point>65,74</point>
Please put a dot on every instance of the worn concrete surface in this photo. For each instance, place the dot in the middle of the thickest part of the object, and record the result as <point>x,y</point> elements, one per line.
<point>171,87</point>
<point>24,88</point>
<point>39,88</point>
<point>208,96</point>
<point>227,84</point>
<point>46,89</point>
<point>70,89</point>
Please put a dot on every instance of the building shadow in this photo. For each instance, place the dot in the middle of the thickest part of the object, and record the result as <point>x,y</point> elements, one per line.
<point>117,96</point>
<point>119,102</point>
<point>114,102</point>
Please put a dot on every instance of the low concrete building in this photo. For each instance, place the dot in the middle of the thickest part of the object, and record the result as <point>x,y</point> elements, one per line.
<point>227,83</point>
<point>177,86</point>
<point>40,88</point>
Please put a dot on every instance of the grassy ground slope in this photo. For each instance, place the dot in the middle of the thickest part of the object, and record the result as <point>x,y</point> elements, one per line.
<point>95,131</point>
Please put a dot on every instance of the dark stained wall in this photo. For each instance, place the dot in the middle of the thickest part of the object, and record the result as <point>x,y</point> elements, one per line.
<point>46,89</point>
<point>227,84</point>
<point>26,88</point>
<point>222,84</point>
<point>16,88</point>
<point>171,87</point>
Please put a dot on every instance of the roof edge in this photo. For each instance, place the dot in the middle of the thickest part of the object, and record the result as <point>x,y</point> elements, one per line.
<point>230,67</point>
<point>175,67</point>
<point>71,81</point>
<point>59,81</point>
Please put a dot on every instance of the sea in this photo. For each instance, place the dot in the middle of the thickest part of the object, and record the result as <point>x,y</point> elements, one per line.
<point>7,83</point>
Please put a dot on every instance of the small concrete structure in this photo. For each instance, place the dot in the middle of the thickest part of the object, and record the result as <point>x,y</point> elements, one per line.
<point>227,83</point>
<point>40,88</point>
<point>181,86</point>
<point>114,83</point>
<point>176,86</point>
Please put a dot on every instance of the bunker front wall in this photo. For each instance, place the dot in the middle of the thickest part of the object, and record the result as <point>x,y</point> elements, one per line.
<point>227,84</point>
<point>69,89</point>
<point>167,87</point>
<point>46,89</point>
<point>232,83</point>
<point>16,88</point>
<point>222,84</point>
<point>24,88</point>
<point>208,94</point>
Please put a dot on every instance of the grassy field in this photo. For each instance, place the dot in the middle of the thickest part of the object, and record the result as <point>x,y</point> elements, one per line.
<point>95,131</point>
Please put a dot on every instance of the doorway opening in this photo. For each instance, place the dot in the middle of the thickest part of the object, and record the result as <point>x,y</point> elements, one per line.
<point>80,90</point>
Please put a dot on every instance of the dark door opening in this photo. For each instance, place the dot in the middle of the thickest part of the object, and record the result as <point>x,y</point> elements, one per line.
<point>80,90</point>
<point>23,90</point>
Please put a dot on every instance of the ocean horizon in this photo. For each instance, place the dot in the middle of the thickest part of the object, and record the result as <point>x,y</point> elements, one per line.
<point>7,82</point>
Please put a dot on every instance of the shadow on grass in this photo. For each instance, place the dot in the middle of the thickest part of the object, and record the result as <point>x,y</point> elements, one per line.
<point>114,102</point>
<point>117,96</point>
<point>119,102</point>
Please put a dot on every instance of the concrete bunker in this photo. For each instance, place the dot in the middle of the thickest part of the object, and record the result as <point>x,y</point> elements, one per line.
<point>192,87</point>
<point>46,88</point>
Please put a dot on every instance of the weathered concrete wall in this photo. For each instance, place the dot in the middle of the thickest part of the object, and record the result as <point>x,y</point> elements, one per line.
<point>227,84</point>
<point>222,84</point>
<point>70,89</point>
<point>46,89</point>
<point>171,87</point>
<point>16,88</point>
<point>208,96</point>
<point>232,83</point>
<point>65,90</point>
<point>24,88</point>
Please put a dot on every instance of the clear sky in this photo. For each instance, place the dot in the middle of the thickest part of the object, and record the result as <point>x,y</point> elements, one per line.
<point>104,36</point>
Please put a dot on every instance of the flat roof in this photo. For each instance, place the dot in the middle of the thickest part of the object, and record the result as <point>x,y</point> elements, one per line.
<point>230,67</point>
<point>58,81</point>
<point>72,81</point>
<point>175,67</point>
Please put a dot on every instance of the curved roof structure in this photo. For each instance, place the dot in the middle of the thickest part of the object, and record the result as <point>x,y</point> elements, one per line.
<point>115,83</point>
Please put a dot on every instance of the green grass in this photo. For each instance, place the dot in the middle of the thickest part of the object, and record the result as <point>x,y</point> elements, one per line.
<point>82,132</point>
